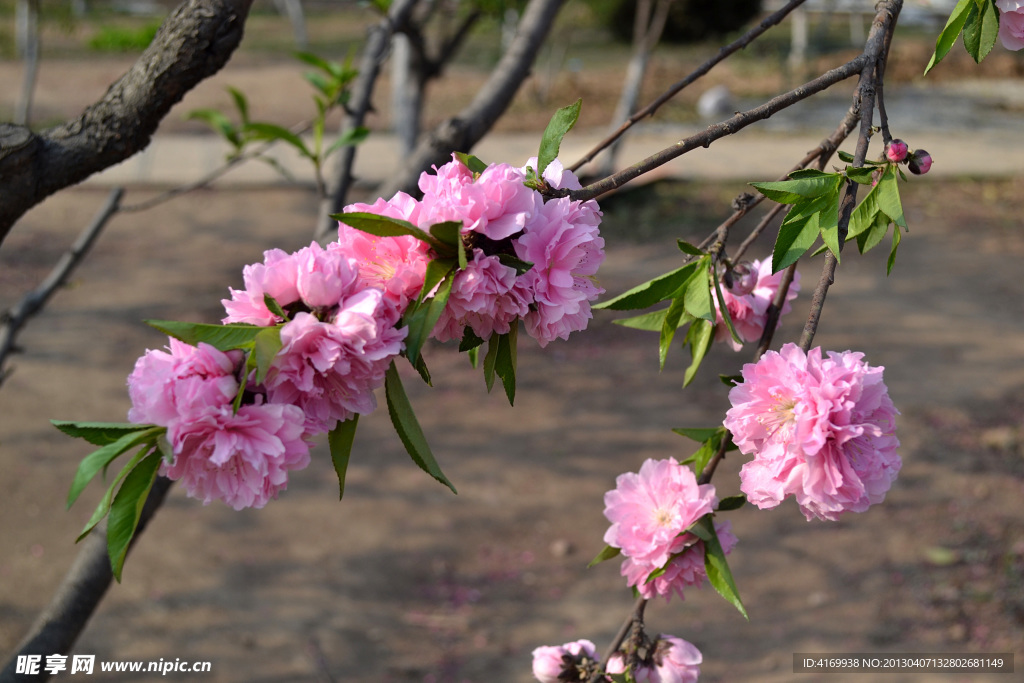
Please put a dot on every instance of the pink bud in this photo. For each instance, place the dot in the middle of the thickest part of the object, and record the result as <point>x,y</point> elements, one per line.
<point>896,150</point>
<point>920,162</point>
<point>742,279</point>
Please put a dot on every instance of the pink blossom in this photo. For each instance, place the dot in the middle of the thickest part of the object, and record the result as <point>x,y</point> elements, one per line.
<point>563,244</point>
<point>276,276</point>
<point>685,569</point>
<point>168,387</point>
<point>323,276</point>
<point>485,296</point>
<point>820,429</point>
<point>651,510</point>
<point>896,150</point>
<point>394,265</point>
<point>331,369</point>
<point>749,312</point>
<point>1011,23</point>
<point>553,664</point>
<point>241,458</point>
<point>673,660</point>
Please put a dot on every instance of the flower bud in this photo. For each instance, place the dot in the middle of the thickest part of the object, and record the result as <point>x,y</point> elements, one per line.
<point>741,280</point>
<point>896,150</point>
<point>920,162</point>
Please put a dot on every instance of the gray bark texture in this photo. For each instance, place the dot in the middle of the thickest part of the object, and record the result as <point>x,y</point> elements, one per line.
<point>193,43</point>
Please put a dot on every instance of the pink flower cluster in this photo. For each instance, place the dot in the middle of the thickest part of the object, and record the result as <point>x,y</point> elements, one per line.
<point>821,429</point>
<point>650,512</point>
<point>337,341</point>
<point>673,660</point>
<point>501,217</point>
<point>747,300</point>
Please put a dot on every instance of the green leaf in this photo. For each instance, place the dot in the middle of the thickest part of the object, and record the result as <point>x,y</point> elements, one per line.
<point>668,329</point>
<point>651,322</point>
<point>505,363</point>
<point>471,162</point>
<point>220,337</point>
<point>608,553</point>
<point>667,286</point>
<point>863,175</point>
<point>560,124</point>
<point>469,340</point>
<point>699,337</point>
<point>514,263</point>
<point>219,123</point>
<point>408,428</point>
<point>423,319</point>
<point>887,194</point>
<point>797,233</point>
<point>951,32</point>
<point>127,508</point>
<point>98,433</point>
<point>732,503</point>
<point>981,30</point>
<point>266,346</point>
<point>448,233</point>
<point>870,238</point>
<point>805,184</point>
<point>697,299</point>
<point>828,224</point>
<point>490,359</point>
<point>702,456</point>
<point>340,440</point>
<point>349,137</point>
<point>100,458</point>
<point>333,69</point>
<point>104,505</point>
<point>731,380</point>
<point>845,156</point>
<point>896,237</point>
<point>688,248</point>
<point>717,567</point>
<point>863,216</point>
<point>474,357</point>
<point>382,226</point>
<point>697,433</point>
<point>258,130</point>
<point>274,307</point>
<point>724,308</point>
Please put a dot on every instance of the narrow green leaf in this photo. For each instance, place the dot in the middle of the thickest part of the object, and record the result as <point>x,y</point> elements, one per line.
<point>408,428</point>
<point>651,322</point>
<point>731,380</point>
<point>104,505</point>
<point>887,194</point>
<point>806,184</point>
<point>717,567</point>
<point>330,68</point>
<point>241,103</point>
<point>797,233</point>
<point>221,337</point>
<point>698,434</point>
<point>490,360</point>
<point>469,340</point>
<point>422,321</point>
<point>732,503</point>
<point>702,456</point>
<point>608,553</point>
<point>348,138</point>
<point>560,124</point>
<point>517,264</point>
<point>863,175</point>
<point>474,357</point>
<point>126,510</point>
<point>449,232</point>
<point>845,156</point>
<point>828,224</point>
<point>98,433</point>
<point>258,130</point>
<point>688,248</point>
<point>697,299</point>
<point>383,226</point>
<point>340,440</point>
<point>896,237</point>
<point>724,308</point>
<point>219,123</point>
<point>981,30</point>
<point>505,363</point>
<point>699,336</point>
<point>471,162</point>
<point>954,25</point>
<point>100,458</point>
<point>864,214</point>
<point>668,329</point>
<point>266,346</point>
<point>322,83</point>
<point>666,286</point>
<point>870,238</point>
<point>420,366</point>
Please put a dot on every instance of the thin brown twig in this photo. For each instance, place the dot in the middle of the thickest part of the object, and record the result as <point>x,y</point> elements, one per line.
<point>733,125</point>
<point>699,72</point>
<point>635,615</point>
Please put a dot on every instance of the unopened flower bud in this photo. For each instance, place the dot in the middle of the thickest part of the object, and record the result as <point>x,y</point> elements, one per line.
<point>896,150</point>
<point>741,280</point>
<point>920,162</point>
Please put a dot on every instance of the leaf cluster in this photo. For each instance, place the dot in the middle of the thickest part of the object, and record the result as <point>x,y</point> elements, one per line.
<point>977,21</point>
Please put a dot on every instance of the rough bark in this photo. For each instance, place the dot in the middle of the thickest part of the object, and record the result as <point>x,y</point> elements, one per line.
<point>193,43</point>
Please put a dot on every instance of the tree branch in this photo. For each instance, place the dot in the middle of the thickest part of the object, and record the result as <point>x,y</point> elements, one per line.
<point>194,42</point>
<point>464,130</point>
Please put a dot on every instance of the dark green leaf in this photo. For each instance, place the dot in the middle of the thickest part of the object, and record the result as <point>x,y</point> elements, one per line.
<point>667,286</point>
<point>697,299</point>
<point>717,567</point>
<point>608,553</point>
<point>688,248</point>
<point>863,175</point>
<point>732,503</point>
<point>274,307</point>
<point>422,321</point>
<point>703,455</point>
<point>449,232</point>
<point>241,103</point>
<point>126,510</point>
<point>668,329</point>
<point>806,184</point>
<point>887,194</point>
<point>731,380</point>
<point>471,162</point>
<point>951,32</point>
<point>981,30</point>
<point>340,440</point>
<point>845,156</point>
<point>98,433</point>
<point>797,233</point>
<point>258,130</point>
<point>560,124</point>
<point>469,339</point>
<point>863,216</point>
<point>490,359</point>
<point>896,237</point>
<point>516,264</point>
<point>697,433</point>
<point>104,505</point>
<point>383,226</point>
<point>699,336</point>
<point>221,337</point>
<point>828,224</point>
<point>870,238</point>
<point>505,363</point>
<point>100,458</point>
<point>408,428</point>
<point>266,346</point>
